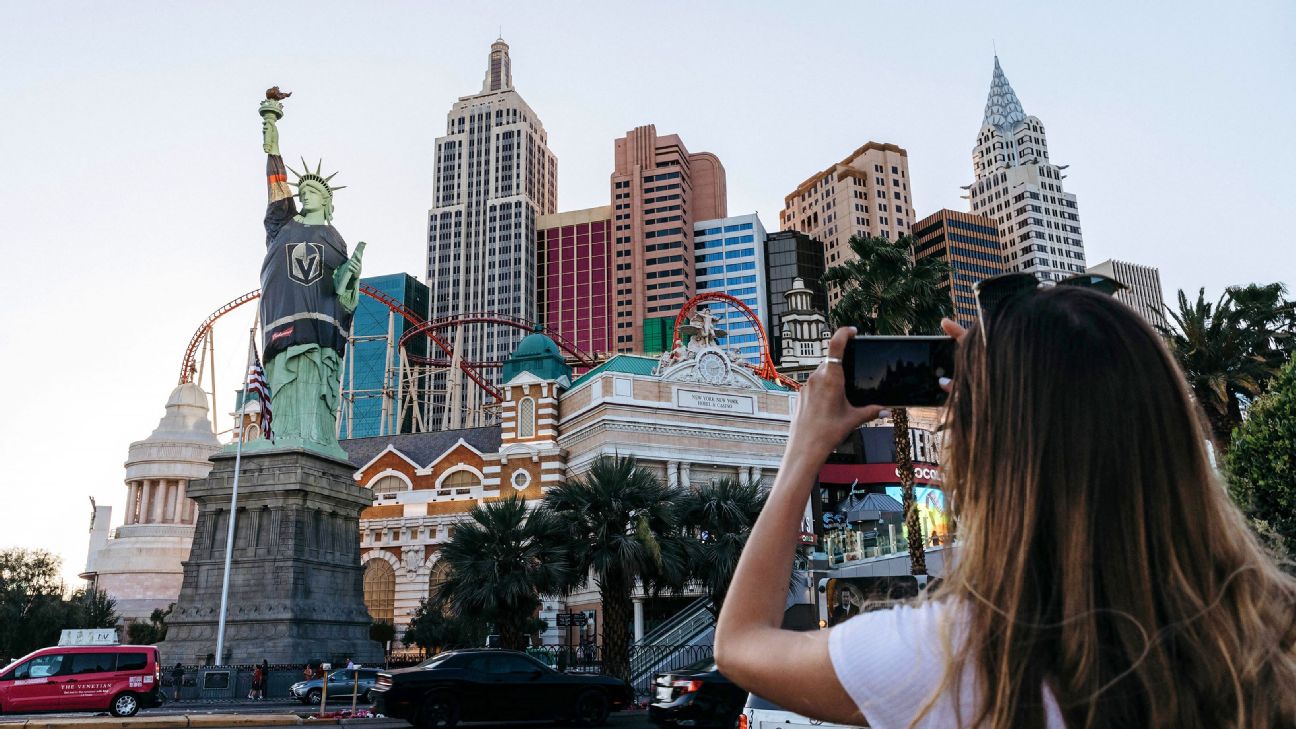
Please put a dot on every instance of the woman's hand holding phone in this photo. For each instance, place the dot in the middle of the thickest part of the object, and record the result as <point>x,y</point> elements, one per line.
<point>824,417</point>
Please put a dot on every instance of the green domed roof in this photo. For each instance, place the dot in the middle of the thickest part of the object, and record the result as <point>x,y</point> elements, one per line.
<point>537,354</point>
<point>535,344</point>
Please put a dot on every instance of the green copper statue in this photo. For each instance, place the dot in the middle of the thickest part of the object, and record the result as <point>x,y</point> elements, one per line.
<point>309,291</point>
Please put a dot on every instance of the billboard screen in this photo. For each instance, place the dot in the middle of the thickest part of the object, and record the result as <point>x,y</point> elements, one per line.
<point>931,512</point>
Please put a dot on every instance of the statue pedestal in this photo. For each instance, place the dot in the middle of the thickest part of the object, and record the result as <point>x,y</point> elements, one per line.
<point>296,584</point>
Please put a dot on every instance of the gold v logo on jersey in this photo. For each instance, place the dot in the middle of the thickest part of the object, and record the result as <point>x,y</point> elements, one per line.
<point>305,262</point>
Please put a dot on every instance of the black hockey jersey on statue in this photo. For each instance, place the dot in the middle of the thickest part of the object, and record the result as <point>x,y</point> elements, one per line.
<point>298,302</point>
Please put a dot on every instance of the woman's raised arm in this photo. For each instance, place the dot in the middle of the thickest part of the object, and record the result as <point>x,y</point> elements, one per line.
<point>790,668</point>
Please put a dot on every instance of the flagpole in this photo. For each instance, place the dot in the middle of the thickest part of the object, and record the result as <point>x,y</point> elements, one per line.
<point>233,514</point>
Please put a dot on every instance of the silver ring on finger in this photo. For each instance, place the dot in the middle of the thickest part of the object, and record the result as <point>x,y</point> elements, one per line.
<point>832,360</point>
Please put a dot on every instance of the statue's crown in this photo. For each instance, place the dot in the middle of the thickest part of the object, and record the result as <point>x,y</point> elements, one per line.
<point>317,177</point>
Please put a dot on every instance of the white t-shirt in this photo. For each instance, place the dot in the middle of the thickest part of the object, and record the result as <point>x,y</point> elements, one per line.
<point>891,661</point>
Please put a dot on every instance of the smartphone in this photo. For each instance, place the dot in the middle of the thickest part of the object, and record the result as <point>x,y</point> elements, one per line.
<point>897,371</point>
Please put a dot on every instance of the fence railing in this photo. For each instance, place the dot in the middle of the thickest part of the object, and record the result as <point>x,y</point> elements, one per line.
<point>667,632</point>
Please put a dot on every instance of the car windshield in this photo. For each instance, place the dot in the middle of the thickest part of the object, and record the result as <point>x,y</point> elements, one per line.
<point>437,660</point>
<point>343,675</point>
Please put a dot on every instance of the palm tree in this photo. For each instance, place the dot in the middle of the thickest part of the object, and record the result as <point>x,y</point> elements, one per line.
<point>1230,350</point>
<point>717,519</point>
<point>500,562</point>
<point>884,290</point>
<point>621,525</point>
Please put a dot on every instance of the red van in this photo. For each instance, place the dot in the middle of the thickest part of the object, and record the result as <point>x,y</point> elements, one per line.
<point>119,678</point>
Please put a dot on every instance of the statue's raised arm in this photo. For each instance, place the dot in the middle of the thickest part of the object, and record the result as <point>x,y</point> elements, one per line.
<point>280,206</point>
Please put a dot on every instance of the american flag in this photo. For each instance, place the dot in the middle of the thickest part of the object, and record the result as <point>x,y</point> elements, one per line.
<point>257,383</point>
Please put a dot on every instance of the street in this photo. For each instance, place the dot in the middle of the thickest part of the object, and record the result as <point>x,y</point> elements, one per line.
<point>634,719</point>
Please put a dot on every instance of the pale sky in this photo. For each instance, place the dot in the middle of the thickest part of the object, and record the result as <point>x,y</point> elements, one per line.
<point>131,171</point>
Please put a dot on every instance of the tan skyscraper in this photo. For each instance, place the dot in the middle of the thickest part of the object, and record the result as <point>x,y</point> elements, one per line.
<point>865,194</point>
<point>494,176</point>
<point>659,189</point>
<point>1144,292</point>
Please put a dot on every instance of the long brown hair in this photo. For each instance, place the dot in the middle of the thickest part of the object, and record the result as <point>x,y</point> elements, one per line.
<point>1100,555</point>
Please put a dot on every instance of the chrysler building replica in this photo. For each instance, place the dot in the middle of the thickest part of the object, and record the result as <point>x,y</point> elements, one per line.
<point>494,174</point>
<point>1021,189</point>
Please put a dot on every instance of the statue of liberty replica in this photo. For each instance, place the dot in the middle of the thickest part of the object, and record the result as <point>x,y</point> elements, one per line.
<point>295,584</point>
<point>309,291</point>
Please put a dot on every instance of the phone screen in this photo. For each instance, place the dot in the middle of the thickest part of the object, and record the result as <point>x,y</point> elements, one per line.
<point>897,370</point>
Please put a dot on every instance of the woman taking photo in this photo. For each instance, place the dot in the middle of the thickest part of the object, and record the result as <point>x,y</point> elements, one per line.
<point>1101,577</point>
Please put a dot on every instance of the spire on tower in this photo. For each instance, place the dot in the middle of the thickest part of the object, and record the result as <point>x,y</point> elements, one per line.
<point>499,69</point>
<point>1002,111</point>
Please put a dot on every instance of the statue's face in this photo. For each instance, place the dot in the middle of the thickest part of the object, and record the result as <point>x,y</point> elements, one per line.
<point>312,200</point>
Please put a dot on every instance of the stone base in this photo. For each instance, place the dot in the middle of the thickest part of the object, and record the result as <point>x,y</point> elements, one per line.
<point>296,585</point>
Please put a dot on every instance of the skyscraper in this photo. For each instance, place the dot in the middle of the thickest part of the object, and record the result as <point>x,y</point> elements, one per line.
<point>494,175</point>
<point>730,259</point>
<point>970,245</point>
<point>789,256</point>
<point>865,194</point>
<point>1021,189</point>
<point>659,190</point>
<point>575,256</point>
<point>1144,292</point>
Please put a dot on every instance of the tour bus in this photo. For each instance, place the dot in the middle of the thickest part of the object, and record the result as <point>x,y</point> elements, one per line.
<point>117,678</point>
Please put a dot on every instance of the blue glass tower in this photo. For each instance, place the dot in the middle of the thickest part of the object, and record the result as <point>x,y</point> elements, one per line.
<point>729,256</point>
<point>371,374</point>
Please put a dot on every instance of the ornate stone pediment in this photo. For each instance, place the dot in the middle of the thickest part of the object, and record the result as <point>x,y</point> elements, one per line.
<point>703,359</point>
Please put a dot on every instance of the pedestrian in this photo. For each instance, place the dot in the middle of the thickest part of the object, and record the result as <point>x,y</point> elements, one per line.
<point>265,676</point>
<point>258,682</point>
<point>1103,576</point>
<point>309,673</point>
<point>177,679</point>
<point>350,666</point>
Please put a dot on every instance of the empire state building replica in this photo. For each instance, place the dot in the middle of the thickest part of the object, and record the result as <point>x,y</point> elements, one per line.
<point>494,175</point>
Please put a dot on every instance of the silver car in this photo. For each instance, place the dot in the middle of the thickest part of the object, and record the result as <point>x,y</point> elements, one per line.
<point>342,684</point>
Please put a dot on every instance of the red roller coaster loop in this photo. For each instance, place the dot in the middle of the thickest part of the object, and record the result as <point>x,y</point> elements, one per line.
<point>765,370</point>
<point>579,357</point>
<point>187,366</point>
<point>419,322</point>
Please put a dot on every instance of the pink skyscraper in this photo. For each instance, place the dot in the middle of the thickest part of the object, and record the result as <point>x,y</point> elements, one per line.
<point>659,190</point>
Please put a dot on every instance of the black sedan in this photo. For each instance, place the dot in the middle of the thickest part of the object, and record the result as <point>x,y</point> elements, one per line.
<point>696,696</point>
<point>495,685</point>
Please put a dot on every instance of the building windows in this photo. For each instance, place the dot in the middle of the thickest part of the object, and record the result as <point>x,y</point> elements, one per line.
<point>388,485</point>
<point>380,590</point>
<point>526,418</point>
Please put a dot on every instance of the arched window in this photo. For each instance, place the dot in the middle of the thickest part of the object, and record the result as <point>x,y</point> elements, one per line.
<point>388,485</point>
<point>460,482</point>
<point>440,573</point>
<point>526,418</point>
<point>380,590</point>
